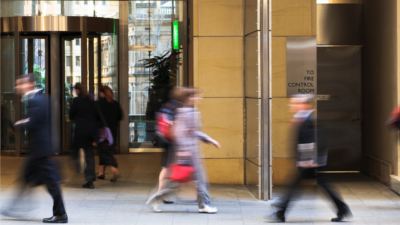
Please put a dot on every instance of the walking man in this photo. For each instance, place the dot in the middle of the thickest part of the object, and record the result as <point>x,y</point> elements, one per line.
<point>311,156</point>
<point>38,169</point>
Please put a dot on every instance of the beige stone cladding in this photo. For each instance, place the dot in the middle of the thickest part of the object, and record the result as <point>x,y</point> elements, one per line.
<point>218,73</point>
<point>290,18</point>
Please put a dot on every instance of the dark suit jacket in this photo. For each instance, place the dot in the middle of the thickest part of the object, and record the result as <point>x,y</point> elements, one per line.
<point>308,132</point>
<point>84,113</point>
<point>39,126</point>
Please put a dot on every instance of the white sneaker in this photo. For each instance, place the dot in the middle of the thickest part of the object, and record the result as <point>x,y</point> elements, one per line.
<point>208,209</point>
<point>156,208</point>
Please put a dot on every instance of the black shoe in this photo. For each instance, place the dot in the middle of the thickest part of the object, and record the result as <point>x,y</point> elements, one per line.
<point>167,202</point>
<point>343,212</point>
<point>279,216</point>
<point>89,185</point>
<point>101,177</point>
<point>56,219</point>
<point>113,179</point>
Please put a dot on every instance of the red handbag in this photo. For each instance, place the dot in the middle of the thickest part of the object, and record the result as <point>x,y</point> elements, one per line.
<point>181,173</point>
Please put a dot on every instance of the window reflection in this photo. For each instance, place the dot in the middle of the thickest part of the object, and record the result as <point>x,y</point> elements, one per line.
<point>149,27</point>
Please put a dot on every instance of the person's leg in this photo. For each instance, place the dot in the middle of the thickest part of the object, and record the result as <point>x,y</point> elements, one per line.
<point>161,178</point>
<point>102,169</point>
<point>284,202</point>
<point>115,172</point>
<point>49,171</point>
<point>75,157</point>
<point>203,197</point>
<point>168,188</point>
<point>29,175</point>
<point>342,209</point>
<point>90,167</point>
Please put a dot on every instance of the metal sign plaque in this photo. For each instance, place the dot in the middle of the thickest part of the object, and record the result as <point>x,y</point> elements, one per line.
<point>301,65</point>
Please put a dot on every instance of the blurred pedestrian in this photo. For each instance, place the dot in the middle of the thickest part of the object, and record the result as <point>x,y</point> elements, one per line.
<point>111,111</point>
<point>39,168</point>
<point>84,113</point>
<point>164,123</point>
<point>186,134</point>
<point>311,156</point>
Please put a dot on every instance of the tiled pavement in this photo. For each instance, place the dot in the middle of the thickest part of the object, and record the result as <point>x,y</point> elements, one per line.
<point>123,202</point>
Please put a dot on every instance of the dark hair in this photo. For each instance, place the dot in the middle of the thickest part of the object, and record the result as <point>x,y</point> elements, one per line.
<point>30,77</point>
<point>82,90</point>
<point>108,93</point>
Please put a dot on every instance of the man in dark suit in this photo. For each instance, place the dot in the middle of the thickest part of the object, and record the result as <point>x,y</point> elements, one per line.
<point>311,156</point>
<point>39,169</point>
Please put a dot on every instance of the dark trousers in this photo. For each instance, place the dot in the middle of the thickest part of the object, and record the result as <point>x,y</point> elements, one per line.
<point>323,181</point>
<point>90,174</point>
<point>42,171</point>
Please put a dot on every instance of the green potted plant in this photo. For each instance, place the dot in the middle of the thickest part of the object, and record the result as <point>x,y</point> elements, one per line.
<point>164,70</point>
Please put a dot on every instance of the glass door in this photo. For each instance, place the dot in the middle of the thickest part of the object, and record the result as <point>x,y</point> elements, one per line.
<point>33,59</point>
<point>72,74</point>
<point>7,76</point>
<point>102,69</point>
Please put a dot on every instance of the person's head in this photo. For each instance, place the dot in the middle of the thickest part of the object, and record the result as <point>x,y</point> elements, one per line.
<point>301,102</point>
<point>80,90</point>
<point>107,93</point>
<point>25,83</point>
<point>187,96</point>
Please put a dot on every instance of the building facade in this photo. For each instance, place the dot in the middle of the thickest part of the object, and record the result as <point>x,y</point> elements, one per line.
<point>246,56</point>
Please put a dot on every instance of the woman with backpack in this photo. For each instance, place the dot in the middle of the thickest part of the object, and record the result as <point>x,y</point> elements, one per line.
<point>111,112</point>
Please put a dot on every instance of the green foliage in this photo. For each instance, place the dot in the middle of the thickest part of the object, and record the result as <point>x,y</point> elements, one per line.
<point>38,77</point>
<point>164,68</point>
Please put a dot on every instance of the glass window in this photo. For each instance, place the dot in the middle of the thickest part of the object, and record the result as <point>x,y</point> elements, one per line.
<point>60,8</point>
<point>68,60</point>
<point>109,62</point>
<point>67,43</point>
<point>149,32</point>
<point>77,41</point>
<point>77,61</point>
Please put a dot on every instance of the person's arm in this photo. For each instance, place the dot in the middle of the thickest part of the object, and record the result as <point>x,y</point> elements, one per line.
<point>203,136</point>
<point>207,139</point>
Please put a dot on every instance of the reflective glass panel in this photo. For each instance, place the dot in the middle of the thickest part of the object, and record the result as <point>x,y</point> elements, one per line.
<point>7,70</point>
<point>149,35</point>
<point>72,75</point>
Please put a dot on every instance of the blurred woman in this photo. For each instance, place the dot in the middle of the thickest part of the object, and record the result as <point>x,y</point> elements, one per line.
<point>165,117</point>
<point>84,113</point>
<point>112,113</point>
<point>186,133</point>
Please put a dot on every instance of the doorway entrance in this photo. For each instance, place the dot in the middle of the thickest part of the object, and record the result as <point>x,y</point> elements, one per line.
<point>60,51</point>
<point>101,70</point>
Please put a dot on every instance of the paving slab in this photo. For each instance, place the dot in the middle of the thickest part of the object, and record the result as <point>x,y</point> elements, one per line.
<point>123,202</point>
